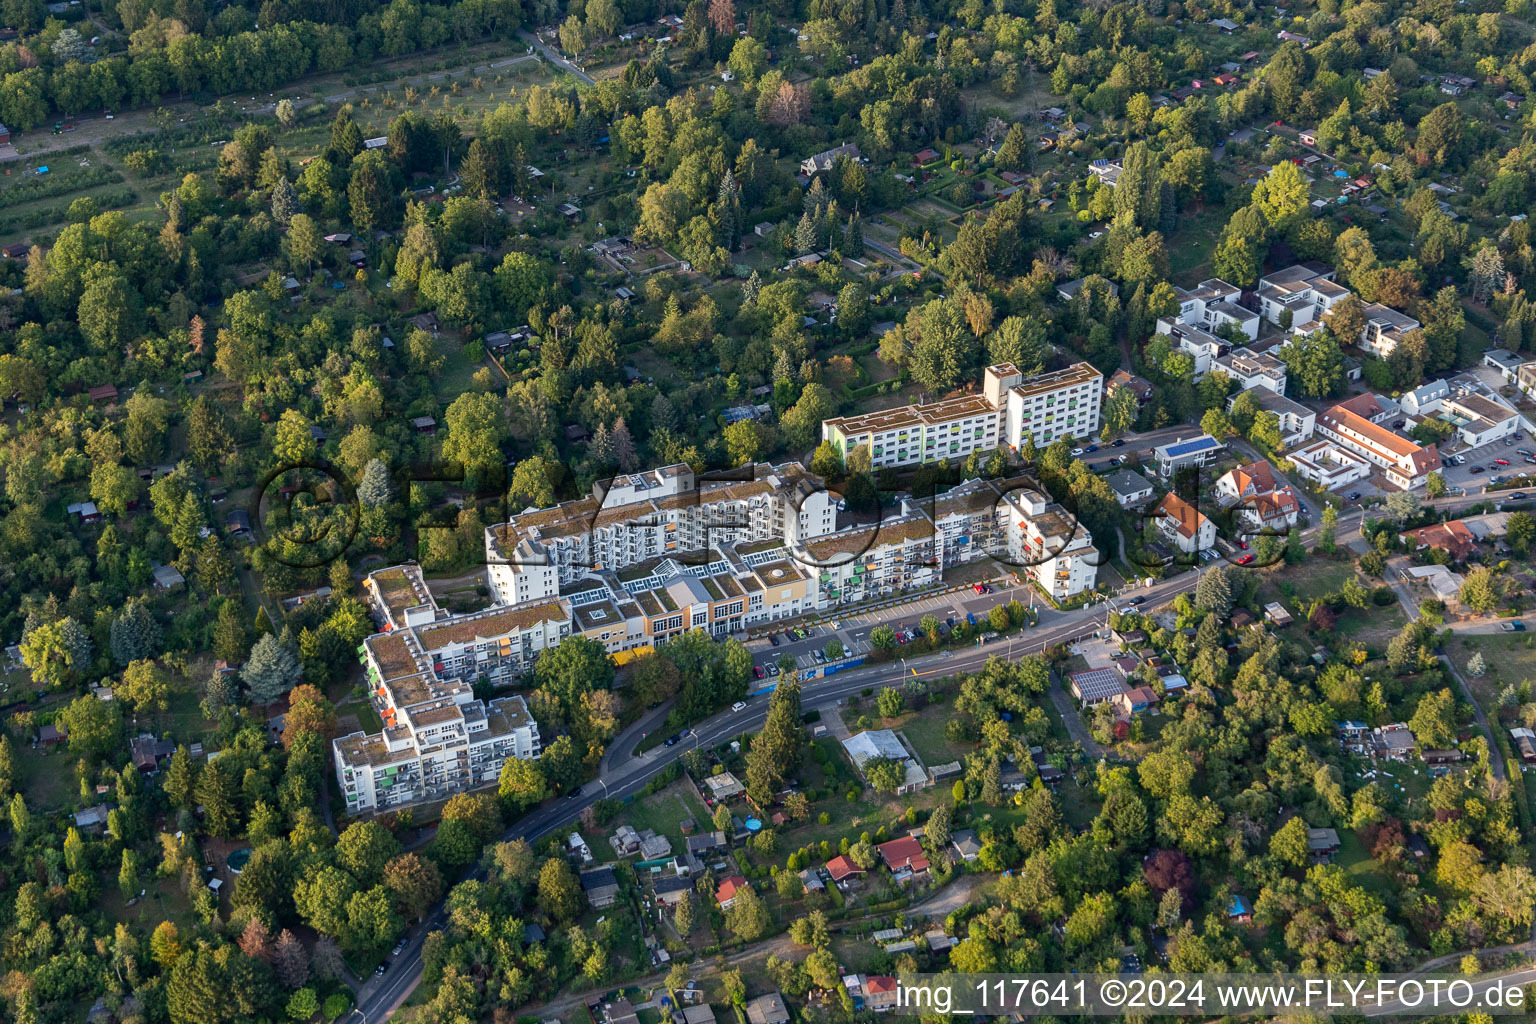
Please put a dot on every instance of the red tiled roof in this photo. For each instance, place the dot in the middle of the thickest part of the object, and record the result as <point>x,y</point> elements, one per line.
<point>729,888</point>
<point>905,852</point>
<point>1182,512</point>
<point>879,983</point>
<point>841,867</point>
<point>1453,536</point>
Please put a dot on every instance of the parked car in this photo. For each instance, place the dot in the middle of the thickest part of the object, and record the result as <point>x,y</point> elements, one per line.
<point>1118,442</point>
<point>821,656</point>
<point>773,638</point>
<point>1077,453</point>
<point>1133,602</point>
<point>1512,627</point>
<point>1517,496</point>
<point>399,948</point>
<point>378,972</point>
<point>672,741</point>
<point>1353,496</point>
<point>773,670</point>
<point>1090,449</point>
<point>1501,462</point>
<point>1245,559</point>
<point>757,671</point>
<point>1475,469</point>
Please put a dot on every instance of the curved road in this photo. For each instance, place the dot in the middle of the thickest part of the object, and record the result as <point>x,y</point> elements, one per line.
<point>624,773</point>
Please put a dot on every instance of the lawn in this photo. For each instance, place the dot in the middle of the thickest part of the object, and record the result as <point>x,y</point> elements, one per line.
<point>1193,245</point>
<point>47,779</point>
<point>664,813</point>
<point>925,732</point>
<point>1509,657</point>
<point>1313,577</point>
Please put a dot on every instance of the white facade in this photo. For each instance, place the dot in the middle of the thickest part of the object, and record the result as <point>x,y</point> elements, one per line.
<point>648,515</point>
<point>1048,546</point>
<point>1184,526</point>
<point>1252,369</point>
<point>1213,304</point>
<point>1199,344</point>
<point>1478,418</point>
<point>1329,465</point>
<point>1051,406</point>
<point>1308,291</point>
<point>437,738</point>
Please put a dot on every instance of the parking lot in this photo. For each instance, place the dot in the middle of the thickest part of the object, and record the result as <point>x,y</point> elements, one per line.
<point>853,630</point>
<point>1482,464</point>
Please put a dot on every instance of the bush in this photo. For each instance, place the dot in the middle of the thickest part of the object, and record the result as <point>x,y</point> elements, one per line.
<point>335,1005</point>
<point>1383,596</point>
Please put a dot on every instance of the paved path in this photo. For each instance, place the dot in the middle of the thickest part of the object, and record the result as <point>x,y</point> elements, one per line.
<point>555,59</point>
<point>1076,727</point>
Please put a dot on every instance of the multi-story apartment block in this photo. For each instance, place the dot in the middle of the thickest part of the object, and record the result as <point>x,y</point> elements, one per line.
<point>1307,290</point>
<point>1404,463</point>
<point>1199,344</point>
<point>1252,369</point>
<point>661,513</point>
<point>1296,421</point>
<point>1384,329</point>
<point>1047,545</point>
<point>1049,406</point>
<point>1005,519</point>
<point>1043,407</point>
<point>867,562</point>
<point>437,738</point>
<point>1212,304</point>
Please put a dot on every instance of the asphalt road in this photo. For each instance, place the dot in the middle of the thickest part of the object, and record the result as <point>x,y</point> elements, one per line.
<point>626,772</point>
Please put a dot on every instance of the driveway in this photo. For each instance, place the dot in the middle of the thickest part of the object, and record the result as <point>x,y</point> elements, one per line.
<point>1073,719</point>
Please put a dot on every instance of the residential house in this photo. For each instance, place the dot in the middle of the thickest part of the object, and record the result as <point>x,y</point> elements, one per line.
<point>1130,487</point>
<point>1295,420</point>
<point>1426,398</point>
<point>1096,685</point>
<point>1237,907</point>
<point>967,846</point>
<point>601,887</point>
<point>1107,171</point>
<point>1140,387</point>
<point>1134,701</point>
<point>1453,537</point>
<point>841,869</point>
<point>824,160</point>
<point>768,1009</point>
<point>904,858</point>
<point>1186,453</point>
<point>884,744</point>
<point>1184,526</point>
<point>729,889</point>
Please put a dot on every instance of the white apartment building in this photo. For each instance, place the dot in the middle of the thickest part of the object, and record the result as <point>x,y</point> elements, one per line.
<point>868,562</point>
<point>1296,421</point>
<point>437,738</point>
<point>1384,329</point>
<point>1404,463</point>
<point>1252,369</point>
<point>1212,304</point>
<point>655,514</point>
<point>1047,545</point>
<point>1051,405</point>
<point>1425,399</point>
<point>1048,406</point>
<point>1328,464</point>
<point>1199,344</point>
<point>1307,290</point>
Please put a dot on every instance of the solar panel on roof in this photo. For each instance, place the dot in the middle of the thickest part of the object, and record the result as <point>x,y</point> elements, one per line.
<point>1190,447</point>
